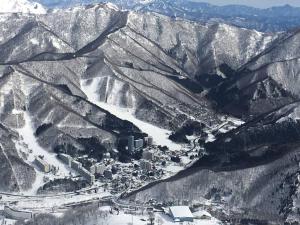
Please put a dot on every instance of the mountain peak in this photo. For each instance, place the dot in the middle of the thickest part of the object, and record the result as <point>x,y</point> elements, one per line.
<point>21,6</point>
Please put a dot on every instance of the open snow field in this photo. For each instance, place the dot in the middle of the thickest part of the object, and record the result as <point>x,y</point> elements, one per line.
<point>160,136</point>
<point>33,150</point>
<point>160,219</point>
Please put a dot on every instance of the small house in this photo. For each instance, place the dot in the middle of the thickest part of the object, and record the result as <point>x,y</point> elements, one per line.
<point>181,214</point>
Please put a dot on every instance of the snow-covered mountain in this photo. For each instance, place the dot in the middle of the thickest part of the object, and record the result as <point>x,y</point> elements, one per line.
<point>70,78</point>
<point>273,19</point>
<point>70,62</point>
<point>21,6</point>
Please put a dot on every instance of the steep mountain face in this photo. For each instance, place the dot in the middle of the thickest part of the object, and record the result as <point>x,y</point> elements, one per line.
<point>267,20</point>
<point>21,6</point>
<point>16,175</point>
<point>138,63</point>
<point>57,119</point>
<point>269,79</point>
<point>46,96</point>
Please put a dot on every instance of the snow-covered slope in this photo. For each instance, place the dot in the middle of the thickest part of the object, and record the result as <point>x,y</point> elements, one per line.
<point>159,135</point>
<point>21,6</point>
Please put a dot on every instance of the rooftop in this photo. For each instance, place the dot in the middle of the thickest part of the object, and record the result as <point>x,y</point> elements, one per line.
<point>181,211</point>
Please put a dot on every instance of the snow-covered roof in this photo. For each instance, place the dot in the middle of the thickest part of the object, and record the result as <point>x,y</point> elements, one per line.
<point>181,212</point>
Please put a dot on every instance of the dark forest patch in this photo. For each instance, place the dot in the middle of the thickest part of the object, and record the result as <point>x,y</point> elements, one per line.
<point>41,129</point>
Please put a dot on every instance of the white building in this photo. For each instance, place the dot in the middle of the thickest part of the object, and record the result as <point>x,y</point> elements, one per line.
<point>93,169</point>
<point>148,155</point>
<point>139,143</point>
<point>149,140</point>
<point>66,159</point>
<point>181,214</point>
<point>43,165</point>
<point>87,175</point>
<point>100,168</point>
<point>76,165</point>
<point>131,143</point>
<point>145,165</point>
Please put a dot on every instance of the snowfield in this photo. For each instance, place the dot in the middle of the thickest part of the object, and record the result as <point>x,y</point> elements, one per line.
<point>30,144</point>
<point>160,218</point>
<point>160,136</point>
<point>103,216</point>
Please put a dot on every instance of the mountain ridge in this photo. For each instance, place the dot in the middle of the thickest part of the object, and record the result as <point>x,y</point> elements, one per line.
<point>265,20</point>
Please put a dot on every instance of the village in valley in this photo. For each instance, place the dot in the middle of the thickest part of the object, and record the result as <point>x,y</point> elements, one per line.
<point>106,180</point>
<point>155,162</point>
<point>102,183</point>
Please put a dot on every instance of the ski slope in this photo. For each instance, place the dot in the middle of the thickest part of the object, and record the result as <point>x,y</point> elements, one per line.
<point>160,136</point>
<point>34,150</point>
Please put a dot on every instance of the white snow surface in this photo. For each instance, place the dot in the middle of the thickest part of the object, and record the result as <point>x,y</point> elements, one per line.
<point>56,203</point>
<point>27,133</point>
<point>21,6</point>
<point>160,136</point>
<point>160,218</point>
<point>112,6</point>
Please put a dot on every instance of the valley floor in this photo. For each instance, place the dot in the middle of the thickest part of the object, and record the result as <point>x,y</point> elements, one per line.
<point>160,218</point>
<point>106,216</point>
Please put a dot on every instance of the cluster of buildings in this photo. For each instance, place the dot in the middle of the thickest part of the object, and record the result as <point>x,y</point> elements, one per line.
<point>101,169</point>
<point>118,176</point>
<point>97,169</point>
<point>77,166</point>
<point>149,156</point>
<point>155,163</point>
<point>138,144</point>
